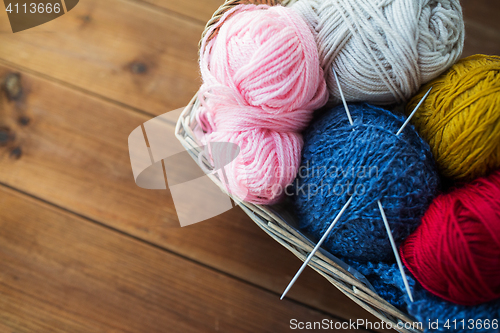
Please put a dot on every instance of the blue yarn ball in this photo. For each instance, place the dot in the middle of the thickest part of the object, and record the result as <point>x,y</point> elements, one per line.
<point>388,283</point>
<point>369,161</point>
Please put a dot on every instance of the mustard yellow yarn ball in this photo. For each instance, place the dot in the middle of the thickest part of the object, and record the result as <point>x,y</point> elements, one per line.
<point>460,119</point>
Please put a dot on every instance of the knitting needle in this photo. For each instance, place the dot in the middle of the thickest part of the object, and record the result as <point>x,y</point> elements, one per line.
<point>395,249</point>
<point>382,212</point>
<point>384,218</point>
<point>388,229</point>
<point>342,97</point>
<point>309,257</point>
<point>389,233</point>
<point>337,218</point>
<point>413,112</point>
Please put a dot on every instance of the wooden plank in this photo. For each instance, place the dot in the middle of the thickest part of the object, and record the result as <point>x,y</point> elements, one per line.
<point>482,11</point>
<point>71,150</point>
<point>61,273</point>
<point>481,16</point>
<point>482,27</point>
<point>146,58</point>
<point>119,49</point>
<point>480,39</point>
<point>96,51</point>
<point>198,10</point>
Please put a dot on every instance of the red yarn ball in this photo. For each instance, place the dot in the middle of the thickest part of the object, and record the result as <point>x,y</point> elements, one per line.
<point>455,252</point>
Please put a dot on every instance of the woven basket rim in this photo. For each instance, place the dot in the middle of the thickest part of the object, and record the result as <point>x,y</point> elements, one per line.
<point>285,234</point>
<point>228,5</point>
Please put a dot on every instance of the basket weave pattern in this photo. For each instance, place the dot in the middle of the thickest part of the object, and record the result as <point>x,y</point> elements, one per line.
<point>271,220</point>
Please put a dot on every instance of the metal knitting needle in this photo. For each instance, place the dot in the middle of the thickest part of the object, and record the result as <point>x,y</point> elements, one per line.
<point>309,257</point>
<point>389,233</point>
<point>339,215</point>
<point>388,229</point>
<point>342,97</point>
<point>413,112</point>
<point>395,249</point>
<point>382,212</point>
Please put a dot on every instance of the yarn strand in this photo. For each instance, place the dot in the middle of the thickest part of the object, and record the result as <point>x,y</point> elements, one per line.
<point>455,252</point>
<point>461,118</point>
<point>261,83</point>
<point>383,51</point>
<point>395,250</point>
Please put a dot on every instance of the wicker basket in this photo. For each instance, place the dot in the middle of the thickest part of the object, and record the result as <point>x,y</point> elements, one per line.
<point>278,223</point>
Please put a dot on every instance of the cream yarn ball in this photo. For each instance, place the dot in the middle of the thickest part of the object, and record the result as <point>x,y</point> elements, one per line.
<point>383,50</point>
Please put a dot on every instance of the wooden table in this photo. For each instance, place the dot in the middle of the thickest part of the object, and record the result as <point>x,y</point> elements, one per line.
<point>82,248</point>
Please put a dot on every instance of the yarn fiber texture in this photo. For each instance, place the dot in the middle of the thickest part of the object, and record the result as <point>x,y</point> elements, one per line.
<point>461,118</point>
<point>261,82</point>
<point>388,283</point>
<point>384,50</point>
<point>369,162</point>
<point>455,252</point>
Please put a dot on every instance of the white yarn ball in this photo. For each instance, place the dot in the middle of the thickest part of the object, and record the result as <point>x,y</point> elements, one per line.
<point>383,50</point>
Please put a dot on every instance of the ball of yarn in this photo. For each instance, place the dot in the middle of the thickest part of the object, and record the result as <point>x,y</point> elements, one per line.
<point>455,252</point>
<point>261,82</point>
<point>460,119</point>
<point>428,308</point>
<point>369,162</point>
<point>382,51</point>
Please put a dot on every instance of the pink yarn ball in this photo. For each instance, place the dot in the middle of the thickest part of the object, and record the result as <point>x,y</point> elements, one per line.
<point>261,83</point>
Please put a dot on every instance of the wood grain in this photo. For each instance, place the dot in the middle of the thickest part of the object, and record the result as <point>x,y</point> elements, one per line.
<point>139,55</point>
<point>74,154</point>
<point>61,273</point>
<point>76,86</point>
<point>121,50</point>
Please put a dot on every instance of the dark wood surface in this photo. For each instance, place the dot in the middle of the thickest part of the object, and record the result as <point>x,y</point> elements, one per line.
<point>82,248</point>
